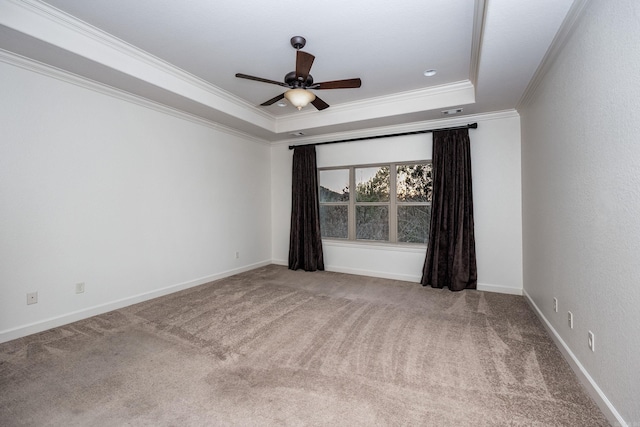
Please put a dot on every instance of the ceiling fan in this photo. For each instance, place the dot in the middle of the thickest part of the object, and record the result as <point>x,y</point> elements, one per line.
<point>300,81</point>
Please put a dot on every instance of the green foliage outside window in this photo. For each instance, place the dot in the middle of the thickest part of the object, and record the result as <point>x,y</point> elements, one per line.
<point>376,215</point>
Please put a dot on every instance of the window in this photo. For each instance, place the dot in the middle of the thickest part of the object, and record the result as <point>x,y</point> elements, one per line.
<point>391,202</point>
<point>334,203</point>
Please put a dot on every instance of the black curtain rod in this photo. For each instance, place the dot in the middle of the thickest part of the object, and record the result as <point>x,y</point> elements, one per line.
<point>469,126</point>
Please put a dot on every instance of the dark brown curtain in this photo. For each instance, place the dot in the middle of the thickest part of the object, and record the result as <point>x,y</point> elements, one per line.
<point>451,252</point>
<point>305,243</point>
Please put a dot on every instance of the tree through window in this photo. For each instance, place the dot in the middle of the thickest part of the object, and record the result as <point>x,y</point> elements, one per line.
<point>391,202</point>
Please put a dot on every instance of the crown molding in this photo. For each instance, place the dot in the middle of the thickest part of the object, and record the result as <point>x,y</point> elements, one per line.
<point>479,19</point>
<point>567,28</point>
<point>46,70</point>
<point>434,97</point>
<point>393,129</point>
<point>44,22</point>
<point>31,65</point>
<point>58,17</point>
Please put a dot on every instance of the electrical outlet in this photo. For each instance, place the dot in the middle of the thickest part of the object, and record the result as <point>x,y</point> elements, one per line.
<point>592,341</point>
<point>555,305</point>
<point>79,288</point>
<point>570,319</point>
<point>237,254</point>
<point>32,298</point>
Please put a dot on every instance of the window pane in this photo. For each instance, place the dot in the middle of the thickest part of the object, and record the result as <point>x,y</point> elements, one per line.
<point>334,222</point>
<point>372,184</point>
<point>334,185</point>
<point>413,223</point>
<point>414,182</point>
<point>372,222</point>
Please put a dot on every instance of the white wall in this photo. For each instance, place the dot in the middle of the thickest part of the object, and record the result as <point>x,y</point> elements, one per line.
<point>581,201</point>
<point>496,172</point>
<point>130,200</point>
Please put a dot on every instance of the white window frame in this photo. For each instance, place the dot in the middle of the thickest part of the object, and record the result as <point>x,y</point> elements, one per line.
<point>393,203</point>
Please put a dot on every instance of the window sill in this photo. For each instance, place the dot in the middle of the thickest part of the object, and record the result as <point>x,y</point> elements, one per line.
<point>395,247</point>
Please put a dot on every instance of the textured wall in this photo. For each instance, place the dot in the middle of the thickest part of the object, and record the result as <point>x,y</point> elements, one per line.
<point>581,197</point>
<point>127,199</point>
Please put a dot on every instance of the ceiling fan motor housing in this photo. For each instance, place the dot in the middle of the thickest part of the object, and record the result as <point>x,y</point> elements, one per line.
<point>291,80</point>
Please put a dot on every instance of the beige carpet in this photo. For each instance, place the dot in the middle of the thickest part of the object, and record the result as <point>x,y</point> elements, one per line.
<point>277,347</point>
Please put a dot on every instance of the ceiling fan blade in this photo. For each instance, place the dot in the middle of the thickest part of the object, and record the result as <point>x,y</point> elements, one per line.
<point>304,61</point>
<point>319,104</point>
<point>338,84</point>
<point>273,100</point>
<point>260,79</point>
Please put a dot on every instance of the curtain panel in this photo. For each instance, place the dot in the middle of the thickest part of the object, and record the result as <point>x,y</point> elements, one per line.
<point>305,242</point>
<point>451,252</point>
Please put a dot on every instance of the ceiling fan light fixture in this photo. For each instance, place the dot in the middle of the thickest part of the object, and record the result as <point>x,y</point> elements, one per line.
<point>299,98</point>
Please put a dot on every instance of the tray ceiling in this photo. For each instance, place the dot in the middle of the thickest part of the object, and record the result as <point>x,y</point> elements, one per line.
<point>185,54</point>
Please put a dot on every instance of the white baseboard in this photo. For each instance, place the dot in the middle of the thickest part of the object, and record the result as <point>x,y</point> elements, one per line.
<point>501,289</point>
<point>407,277</point>
<point>360,272</point>
<point>380,274</point>
<point>33,328</point>
<point>607,408</point>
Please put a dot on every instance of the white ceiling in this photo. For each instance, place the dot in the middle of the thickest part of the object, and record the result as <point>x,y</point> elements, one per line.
<point>185,54</point>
